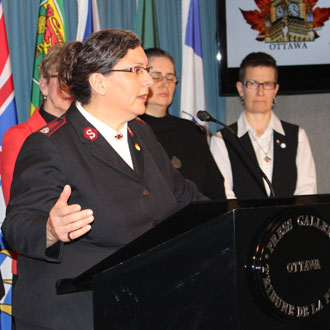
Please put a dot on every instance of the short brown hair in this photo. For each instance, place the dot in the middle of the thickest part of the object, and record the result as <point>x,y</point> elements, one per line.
<point>100,52</point>
<point>254,60</point>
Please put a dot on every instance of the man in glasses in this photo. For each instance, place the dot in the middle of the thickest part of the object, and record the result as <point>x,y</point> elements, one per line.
<point>184,142</point>
<point>281,150</point>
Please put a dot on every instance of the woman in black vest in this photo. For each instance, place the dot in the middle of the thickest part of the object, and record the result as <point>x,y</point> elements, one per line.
<point>280,149</point>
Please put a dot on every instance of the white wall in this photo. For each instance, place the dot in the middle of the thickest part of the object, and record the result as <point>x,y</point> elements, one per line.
<point>312,112</point>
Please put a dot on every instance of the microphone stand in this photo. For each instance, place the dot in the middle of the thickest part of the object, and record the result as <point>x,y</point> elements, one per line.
<point>205,116</point>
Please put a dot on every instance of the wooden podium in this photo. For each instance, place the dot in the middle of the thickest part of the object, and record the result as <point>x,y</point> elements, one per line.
<point>234,265</point>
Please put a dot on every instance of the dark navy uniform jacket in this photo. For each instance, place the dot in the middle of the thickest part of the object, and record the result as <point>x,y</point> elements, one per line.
<point>126,203</point>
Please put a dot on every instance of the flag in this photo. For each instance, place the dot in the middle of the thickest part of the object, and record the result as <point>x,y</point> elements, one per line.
<point>88,18</point>
<point>50,31</point>
<point>8,118</point>
<point>192,77</point>
<point>146,26</point>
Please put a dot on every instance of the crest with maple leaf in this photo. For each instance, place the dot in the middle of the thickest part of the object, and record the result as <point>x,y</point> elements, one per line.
<point>257,18</point>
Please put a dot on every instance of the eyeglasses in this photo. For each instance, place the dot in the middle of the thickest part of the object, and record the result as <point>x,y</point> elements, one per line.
<point>170,77</point>
<point>251,84</point>
<point>138,70</point>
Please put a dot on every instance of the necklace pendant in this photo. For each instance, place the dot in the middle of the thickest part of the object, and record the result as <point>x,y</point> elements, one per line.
<point>267,159</point>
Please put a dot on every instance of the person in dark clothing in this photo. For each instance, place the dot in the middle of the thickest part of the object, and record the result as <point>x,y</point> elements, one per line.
<point>55,102</point>
<point>89,182</point>
<point>185,142</point>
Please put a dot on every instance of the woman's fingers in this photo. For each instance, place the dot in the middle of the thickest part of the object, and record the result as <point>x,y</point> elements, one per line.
<point>67,222</point>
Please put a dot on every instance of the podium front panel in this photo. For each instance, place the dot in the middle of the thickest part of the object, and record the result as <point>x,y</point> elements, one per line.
<point>180,284</point>
<point>253,268</point>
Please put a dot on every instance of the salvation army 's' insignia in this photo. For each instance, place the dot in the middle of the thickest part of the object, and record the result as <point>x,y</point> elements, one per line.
<point>90,133</point>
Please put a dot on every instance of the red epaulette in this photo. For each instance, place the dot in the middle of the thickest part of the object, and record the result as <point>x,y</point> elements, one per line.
<point>140,120</point>
<point>53,126</point>
<point>130,132</point>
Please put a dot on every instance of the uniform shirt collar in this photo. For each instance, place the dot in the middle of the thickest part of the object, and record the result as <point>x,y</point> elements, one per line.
<point>243,126</point>
<point>120,145</point>
<point>107,132</point>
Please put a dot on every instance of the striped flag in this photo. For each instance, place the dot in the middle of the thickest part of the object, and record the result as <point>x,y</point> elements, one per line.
<point>8,118</point>
<point>146,26</point>
<point>88,18</point>
<point>50,31</point>
<point>192,78</point>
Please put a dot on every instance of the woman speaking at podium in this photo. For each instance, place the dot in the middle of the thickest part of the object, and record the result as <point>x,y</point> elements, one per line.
<point>89,182</point>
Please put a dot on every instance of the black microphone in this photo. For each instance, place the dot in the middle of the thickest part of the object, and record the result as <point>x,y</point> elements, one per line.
<point>205,116</point>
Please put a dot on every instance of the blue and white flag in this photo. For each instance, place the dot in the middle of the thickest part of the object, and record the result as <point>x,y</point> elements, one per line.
<point>8,118</point>
<point>192,78</point>
<point>88,18</point>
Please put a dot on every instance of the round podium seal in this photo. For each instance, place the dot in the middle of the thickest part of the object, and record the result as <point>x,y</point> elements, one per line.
<point>290,266</point>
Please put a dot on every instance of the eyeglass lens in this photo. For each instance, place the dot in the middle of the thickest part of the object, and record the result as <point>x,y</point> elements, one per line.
<point>250,84</point>
<point>171,78</point>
